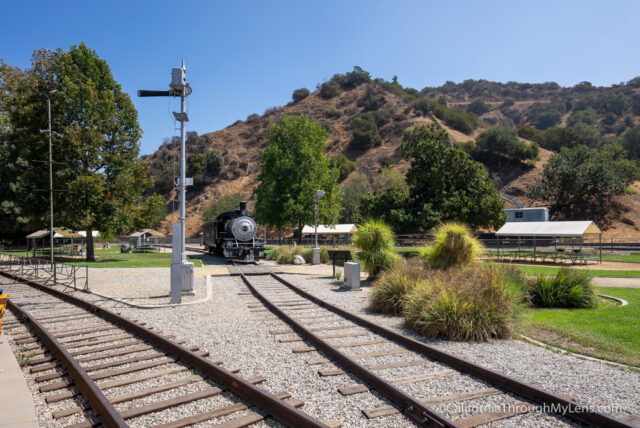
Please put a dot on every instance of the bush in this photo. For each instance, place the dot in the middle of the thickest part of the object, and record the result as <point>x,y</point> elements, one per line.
<point>504,142</point>
<point>332,113</point>
<point>478,107</point>
<point>473,303</point>
<point>364,131</point>
<point>568,289</point>
<point>460,120</point>
<point>388,292</point>
<point>375,241</point>
<point>330,89</point>
<point>453,246</point>
<point>300,94</point>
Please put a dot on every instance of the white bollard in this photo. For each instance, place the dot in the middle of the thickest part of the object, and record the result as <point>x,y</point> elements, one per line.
<point>352,275</point>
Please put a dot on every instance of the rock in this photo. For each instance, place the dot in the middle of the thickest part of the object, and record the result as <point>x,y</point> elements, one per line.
<point>298,260</point>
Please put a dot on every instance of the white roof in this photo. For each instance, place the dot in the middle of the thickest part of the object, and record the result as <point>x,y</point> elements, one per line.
<point>331,229</point>
<point>94,233</point>
<point>548,228</point>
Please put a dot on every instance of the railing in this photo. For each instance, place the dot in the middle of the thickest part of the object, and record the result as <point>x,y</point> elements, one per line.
<point>45,272</point>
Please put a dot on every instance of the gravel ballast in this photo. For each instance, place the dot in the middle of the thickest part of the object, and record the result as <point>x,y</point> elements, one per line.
<point>227,328</point>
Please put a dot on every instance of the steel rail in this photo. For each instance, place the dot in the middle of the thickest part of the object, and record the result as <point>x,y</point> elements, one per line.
<point>105,411</point>
<point>279,409</point>
<point>568,408</point>
<point>413,408</point>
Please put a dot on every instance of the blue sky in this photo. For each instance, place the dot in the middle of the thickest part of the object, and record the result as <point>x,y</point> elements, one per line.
<point>243,57</point>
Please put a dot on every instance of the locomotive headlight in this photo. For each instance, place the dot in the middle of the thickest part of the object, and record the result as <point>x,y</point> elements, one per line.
<point>243,228</point>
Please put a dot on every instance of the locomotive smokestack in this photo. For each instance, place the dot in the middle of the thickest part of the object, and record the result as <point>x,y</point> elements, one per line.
<point>243,207</point>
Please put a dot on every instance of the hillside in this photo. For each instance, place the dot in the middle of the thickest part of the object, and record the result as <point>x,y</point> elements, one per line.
<point>394,109</point>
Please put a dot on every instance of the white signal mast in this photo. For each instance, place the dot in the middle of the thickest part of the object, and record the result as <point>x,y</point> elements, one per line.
<point>182,277</point>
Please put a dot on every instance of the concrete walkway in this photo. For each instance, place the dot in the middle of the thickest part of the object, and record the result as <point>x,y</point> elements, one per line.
<point>627,282</point>
<point>16,404</point>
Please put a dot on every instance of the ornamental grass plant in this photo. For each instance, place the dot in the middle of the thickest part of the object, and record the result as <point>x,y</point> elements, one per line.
<point>376,243</point>
<point>389,290</point>
<point>475,302</point>
<point>453,245</point>
<point>569,288</point>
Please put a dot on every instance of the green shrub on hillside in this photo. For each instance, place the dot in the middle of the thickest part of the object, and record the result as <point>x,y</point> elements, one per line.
<point>221,205</point>
<point>478,107</point>
<point>344,165</point>
<point>453,245</point>
<point>330,89</point>
<point>504,142</point>
<point>472,303</point>
<point>568,289</point>
<point>364,131</point>
<point>300,94</point>
<point>375,241</point>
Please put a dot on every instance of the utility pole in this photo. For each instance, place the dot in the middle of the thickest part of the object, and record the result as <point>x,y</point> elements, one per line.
<point>181,271</point>
<point>49,131</point>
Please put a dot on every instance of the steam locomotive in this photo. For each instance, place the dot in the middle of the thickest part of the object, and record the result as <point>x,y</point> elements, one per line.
<point>232,235</point>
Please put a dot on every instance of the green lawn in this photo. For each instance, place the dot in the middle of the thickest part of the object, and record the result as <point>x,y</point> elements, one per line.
<point>550,270</point>
<point>113,258</point>
<point>629,258</point>
<point>610,331</point>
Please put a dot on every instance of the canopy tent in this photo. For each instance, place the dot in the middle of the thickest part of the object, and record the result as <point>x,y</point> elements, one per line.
<point>564,229</point>
<point>138,238</point>
<point>553,240</point>
<point>59,235</point>
<point>332,229</point>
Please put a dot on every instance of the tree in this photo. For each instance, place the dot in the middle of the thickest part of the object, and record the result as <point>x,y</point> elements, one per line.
<point>353,191</point>
<point>151,212</point>
<point>445,184</point>
<point>98,170</point>
<point>222,205</point>
<point>556,138</point>
<point>364,131</point>
<point>293,166</point>
<point>504,142</point>
<point>214,163</point>
<point>344,165</point>
<point>478,107</point>
<point>581,183</point>
<point>631,140</point>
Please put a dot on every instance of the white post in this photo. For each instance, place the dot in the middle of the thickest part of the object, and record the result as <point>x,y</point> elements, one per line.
<point>187,268</point>
<point>316,249</point>
<point>176,266</point>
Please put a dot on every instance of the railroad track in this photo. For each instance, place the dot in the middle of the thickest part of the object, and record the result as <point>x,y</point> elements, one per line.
<point>351,344</point>
<point>95,367</point>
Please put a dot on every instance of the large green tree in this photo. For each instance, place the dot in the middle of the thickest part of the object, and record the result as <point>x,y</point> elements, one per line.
<point>445,184</point>
<point>293,166</point>
<point>581,182</point>
<point>98,176</point>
